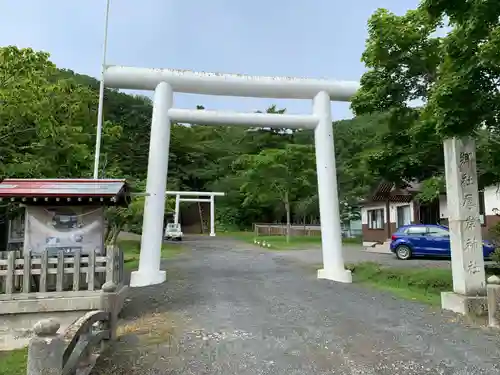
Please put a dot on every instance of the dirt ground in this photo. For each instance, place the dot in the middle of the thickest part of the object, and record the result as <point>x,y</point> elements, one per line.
<point>231,308</point>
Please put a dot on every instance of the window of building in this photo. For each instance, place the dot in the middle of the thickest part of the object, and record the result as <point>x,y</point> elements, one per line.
<point>481,208</point>
<point>403,215</point>
<point>376,219</point>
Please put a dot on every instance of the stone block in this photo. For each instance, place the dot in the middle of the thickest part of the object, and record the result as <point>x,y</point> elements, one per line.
<point>45,350</point>
<point>493,292</point>
<point>465,305</point>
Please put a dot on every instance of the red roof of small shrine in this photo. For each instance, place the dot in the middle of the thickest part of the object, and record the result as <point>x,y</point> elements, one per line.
<point>108,191</point>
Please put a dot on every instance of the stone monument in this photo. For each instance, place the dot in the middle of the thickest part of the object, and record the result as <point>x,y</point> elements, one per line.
<point>467,261</point>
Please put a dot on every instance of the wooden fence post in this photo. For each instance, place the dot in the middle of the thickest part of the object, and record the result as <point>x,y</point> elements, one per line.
<point>110,263</point>
<point>91,271</point>
<point>76,270</point>
<point>9,279</point>
<point>27,272</point>
<point>46,349</point>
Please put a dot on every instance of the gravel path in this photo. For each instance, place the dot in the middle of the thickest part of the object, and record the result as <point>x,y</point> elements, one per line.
<point>229,308</point>
<point>355,254</point>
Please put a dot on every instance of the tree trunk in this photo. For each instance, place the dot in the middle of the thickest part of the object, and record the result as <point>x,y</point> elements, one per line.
<point>112,235</point>
<point>287,209</point>
<point>114,238</point>
<point>108,231</point>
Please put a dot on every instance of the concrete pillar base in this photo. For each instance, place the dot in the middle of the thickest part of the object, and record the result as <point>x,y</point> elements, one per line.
<point>493,294</point>
<point>343,276</point>
<point>138,278</point>
<point>212,234</point>
<point>465,305</point>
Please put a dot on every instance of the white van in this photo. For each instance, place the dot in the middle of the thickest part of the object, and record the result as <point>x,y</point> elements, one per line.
<point>173,232</point>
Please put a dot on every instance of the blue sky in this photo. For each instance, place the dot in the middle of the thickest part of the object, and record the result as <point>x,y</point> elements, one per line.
<point>313,38</point>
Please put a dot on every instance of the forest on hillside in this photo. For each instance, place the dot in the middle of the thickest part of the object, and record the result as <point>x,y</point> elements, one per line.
<point>48,122</point>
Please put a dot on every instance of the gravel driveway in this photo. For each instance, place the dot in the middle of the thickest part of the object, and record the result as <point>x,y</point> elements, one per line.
<point>229,308</point>
<point>355,254</point>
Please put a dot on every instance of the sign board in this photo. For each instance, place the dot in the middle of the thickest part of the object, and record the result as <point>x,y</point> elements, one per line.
<point>65,228</point>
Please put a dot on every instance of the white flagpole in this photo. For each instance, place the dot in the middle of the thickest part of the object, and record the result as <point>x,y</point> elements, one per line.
<point>101,97</point>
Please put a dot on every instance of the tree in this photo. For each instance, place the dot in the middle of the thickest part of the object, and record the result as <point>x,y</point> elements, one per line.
<point>402,56</point>
<point>465,95</point>
<point>354,140</point>
<point>132,113</point>
<point>47,121</point>
<point>118,217</point>
<point>453,78</point>
<point>42,120</point>
<point>307,206</point>
<point>278,175</point>
<point>130,217</point>
<point>49,125</point>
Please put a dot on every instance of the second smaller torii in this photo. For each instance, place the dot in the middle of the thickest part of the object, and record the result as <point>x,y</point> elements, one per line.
<point>211,198</point>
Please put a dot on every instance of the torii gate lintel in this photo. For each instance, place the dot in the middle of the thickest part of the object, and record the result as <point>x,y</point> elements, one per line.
<point>198,194</point>
<point>165,82</point>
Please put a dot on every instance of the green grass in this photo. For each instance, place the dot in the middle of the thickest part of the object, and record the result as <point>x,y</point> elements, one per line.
<point>352,241</point>
<point>243,236</point>
<point>132,248</point>
<point>13,362</point>
<point>279,242</point>
<point>418,284</point>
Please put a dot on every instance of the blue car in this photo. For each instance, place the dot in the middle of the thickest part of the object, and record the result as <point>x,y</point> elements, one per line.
<point>427,240</point>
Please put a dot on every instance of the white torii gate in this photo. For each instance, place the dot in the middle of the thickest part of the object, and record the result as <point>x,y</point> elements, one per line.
<point>167,81</point>
<point>211,199</point>
<point>466,280</point>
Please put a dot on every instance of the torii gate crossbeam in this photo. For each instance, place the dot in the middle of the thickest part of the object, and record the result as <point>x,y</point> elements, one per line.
<point>198,194</point>
<point>167,81</point>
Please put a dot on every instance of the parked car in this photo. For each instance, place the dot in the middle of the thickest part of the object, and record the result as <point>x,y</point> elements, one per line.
<point>173,232</point>
<point>427,240</point>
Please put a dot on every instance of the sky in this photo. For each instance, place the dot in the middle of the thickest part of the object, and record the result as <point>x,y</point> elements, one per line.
<point>313,39</point>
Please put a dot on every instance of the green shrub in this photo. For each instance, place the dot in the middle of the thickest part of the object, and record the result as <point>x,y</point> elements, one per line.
<point>496,256</point>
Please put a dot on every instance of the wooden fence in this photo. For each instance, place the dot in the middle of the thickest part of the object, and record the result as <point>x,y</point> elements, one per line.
<point>280,230</point>
<point>40,274</point>
<point>298,230</point>
<point>76,350</point>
